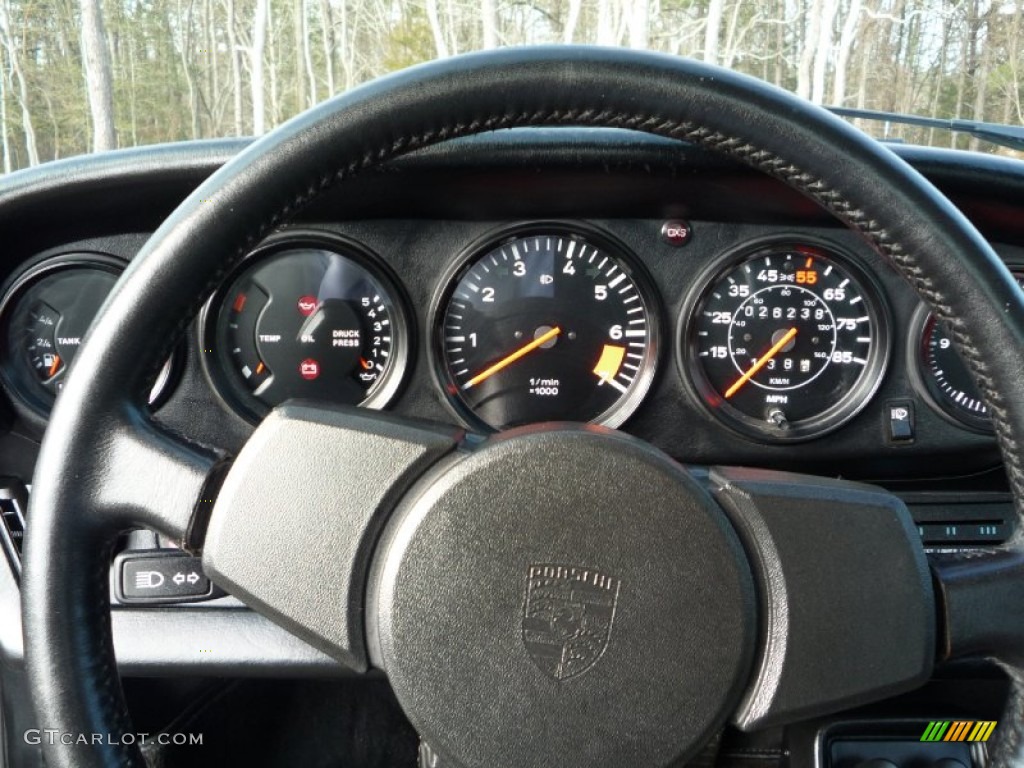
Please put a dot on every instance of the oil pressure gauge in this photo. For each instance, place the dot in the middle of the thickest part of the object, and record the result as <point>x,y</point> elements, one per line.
<point>308,316</point>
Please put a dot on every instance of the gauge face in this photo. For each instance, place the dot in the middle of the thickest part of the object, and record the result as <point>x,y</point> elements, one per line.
<point>949,384</point>
<point>787,342</point>
<point>547,326</point>
<point>46,316</point>
<point>313,320</point>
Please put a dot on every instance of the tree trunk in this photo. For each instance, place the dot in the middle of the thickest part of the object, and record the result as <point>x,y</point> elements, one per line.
<point>256,53</point>
<point>186,64</point>
<point>435,29</point>
<point>299,84</point>
<point>846,40</point>
<point>236,69</point>
<point>489,23</point>
<point>16,74</point>
<point>712,30</point>
<point>812,32</point>
<point>98,80</point>
<point>327,32</point>
<point>569,31</point>
<point>639,18</point>
<point>822,50</point>
<point>981,73</point>
<point>307,57</point>
<point>6,134</point>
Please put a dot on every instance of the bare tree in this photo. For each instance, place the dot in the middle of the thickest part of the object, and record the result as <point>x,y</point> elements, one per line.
<point>822,50</point>
<point>435,29</point>
<point>489,23</point>
<point>256,70</point>
<point>571,19</point>
<point>13,57</point>
<point>98,80</point>
<point>846,39</point>
<point>713,30</point>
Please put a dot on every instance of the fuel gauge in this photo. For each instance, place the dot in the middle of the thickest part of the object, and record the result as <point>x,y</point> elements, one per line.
<point>46,314</point>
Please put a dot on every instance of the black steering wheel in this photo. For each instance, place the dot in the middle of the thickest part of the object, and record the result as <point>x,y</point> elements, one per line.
<point>703,595</point>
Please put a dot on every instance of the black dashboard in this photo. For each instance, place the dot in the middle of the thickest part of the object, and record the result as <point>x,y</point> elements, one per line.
<point>382,293</point>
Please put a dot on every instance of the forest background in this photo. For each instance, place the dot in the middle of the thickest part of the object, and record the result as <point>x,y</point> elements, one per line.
<point>90,75</point>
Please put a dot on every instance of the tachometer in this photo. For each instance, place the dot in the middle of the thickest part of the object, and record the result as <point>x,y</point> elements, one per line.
<point>308,316</point>
<point>547,325</point>
<point>786,342</point>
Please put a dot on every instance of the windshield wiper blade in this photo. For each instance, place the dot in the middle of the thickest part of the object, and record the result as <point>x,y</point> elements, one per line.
<point>1011,136</point>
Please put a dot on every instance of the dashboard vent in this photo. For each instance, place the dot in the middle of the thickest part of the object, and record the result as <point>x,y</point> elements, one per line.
<point>13,502</point>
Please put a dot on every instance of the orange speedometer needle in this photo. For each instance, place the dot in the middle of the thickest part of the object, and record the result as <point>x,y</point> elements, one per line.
<point>761,362</point>
<point>505,362</point>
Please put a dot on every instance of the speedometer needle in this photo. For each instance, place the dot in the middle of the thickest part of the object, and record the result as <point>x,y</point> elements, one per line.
<point>508,360</point>
<point>761,362</point>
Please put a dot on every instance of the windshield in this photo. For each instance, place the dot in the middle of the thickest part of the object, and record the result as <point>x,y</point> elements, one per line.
<point>87,75</point>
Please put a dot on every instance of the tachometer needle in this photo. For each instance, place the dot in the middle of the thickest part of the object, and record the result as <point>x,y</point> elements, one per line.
<point>761,362</point>
<point>508,360</point>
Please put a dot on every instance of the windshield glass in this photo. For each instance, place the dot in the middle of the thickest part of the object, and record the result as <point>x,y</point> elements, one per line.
<point>85,75</point>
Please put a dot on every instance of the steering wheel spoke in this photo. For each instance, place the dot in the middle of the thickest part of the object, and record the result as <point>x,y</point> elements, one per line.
<point>981,605</point>
<point>151,478</point>
<point>846,596</point>
<point>296,519</point>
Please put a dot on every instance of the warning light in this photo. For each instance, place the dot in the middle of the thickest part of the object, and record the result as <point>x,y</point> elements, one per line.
<point>309,369</point>
<point>307,305</point>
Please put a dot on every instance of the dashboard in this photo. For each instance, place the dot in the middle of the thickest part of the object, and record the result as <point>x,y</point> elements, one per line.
<point>534,275</point>
<point>763,337</point>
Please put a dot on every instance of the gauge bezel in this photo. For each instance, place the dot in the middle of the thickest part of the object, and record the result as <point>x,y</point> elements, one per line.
<point>623,408</point>
<point>705,395</point>
<point>217,365</point>
<point>922,379</point>
<point>23,388</point>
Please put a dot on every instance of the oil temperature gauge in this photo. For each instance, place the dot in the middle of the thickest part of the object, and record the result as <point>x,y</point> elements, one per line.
<point>311,317</point>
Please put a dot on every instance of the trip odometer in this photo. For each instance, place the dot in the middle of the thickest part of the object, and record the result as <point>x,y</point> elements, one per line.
<point>547,326</point>
<point>787,342</point>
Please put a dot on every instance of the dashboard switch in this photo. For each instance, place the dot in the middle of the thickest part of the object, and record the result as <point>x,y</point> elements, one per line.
<point>167,576</point>
<point>900,415</point>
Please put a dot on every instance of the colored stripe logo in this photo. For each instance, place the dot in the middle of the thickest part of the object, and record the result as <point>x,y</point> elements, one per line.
<point>959,730</point>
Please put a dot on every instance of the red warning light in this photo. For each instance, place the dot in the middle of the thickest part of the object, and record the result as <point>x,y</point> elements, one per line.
<point>307,305</point>
<point>309,369</point>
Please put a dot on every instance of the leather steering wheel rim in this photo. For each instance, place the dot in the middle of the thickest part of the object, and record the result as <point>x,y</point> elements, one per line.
<point>103,461</point>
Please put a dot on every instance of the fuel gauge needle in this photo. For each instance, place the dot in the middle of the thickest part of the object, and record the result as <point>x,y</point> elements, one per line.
<point>54,367</point>
<point>506,361</point>
<point>761,362</point>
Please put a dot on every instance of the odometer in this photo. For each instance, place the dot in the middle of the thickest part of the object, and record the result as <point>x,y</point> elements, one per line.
<point>786,342</point>
<point>547,326</point>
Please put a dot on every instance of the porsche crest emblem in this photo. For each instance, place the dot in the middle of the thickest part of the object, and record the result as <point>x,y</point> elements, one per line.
<point>568,617</point>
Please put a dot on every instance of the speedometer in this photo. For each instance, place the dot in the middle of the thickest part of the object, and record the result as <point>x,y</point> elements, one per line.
<point>786,342</point>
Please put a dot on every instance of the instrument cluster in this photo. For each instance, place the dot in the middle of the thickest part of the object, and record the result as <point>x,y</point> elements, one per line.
<point>781,339</point>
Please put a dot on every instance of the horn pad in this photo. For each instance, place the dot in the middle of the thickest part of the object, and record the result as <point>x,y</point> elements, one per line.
<point>562,596</point>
